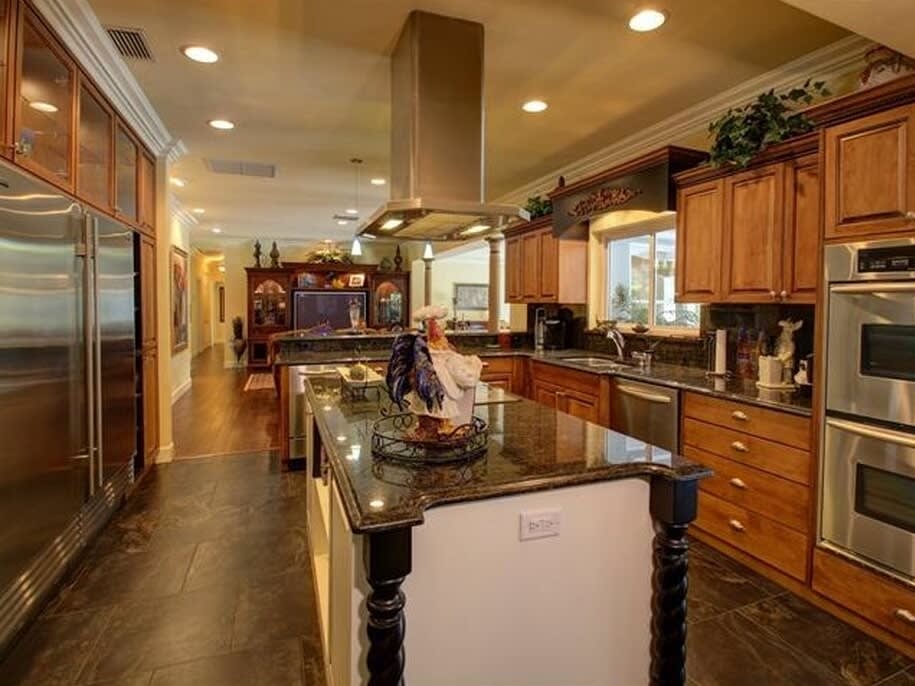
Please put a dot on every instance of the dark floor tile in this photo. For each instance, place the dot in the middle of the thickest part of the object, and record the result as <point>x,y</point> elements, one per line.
<point>54,649</point>
<point>700,549</point>
<point>279,608</point>
<point>730,650</point>
<point>278,663</point>
<point>715,588</point>
<point>260,489</point>
<point>856,657</point>
<point>144,636</point>
<point>118,577</point>
<point>132,680</point>
<point>313,662</point>
<point>906,678</point>
<point>248,555</point>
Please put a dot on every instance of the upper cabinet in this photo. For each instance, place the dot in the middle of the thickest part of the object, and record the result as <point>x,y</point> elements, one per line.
<point>44,110</point>
<point>94,153</point>
<point>540,268</point>
<point>751,236</point>
<point>126,175</point>
<point>7,57</point>
<point>870,175</point>
<point>147,191</point>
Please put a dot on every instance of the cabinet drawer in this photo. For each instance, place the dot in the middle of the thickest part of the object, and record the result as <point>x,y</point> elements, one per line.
<point>885,603</point>
<point>771,424</point>
<point>498,365</point>
<point>763,538</point>
<point>784,501</point>
<point>759,453</point>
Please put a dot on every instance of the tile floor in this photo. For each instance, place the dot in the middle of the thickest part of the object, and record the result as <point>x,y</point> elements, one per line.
<point>203,579</point>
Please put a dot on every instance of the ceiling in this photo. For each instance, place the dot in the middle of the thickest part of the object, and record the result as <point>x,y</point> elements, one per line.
<point>306,82</point>
<point>885,21</point>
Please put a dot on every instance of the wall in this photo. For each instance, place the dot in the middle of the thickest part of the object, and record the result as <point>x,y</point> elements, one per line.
<point>181,361</point>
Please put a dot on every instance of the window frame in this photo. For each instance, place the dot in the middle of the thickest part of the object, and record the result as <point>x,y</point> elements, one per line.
<point>647,227</point>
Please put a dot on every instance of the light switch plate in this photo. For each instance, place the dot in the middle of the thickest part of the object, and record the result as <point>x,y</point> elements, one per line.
<point>540,523</point>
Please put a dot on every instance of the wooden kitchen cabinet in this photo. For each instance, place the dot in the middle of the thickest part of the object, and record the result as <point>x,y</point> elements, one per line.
<point>699,242</point>
<point>126,175</point>
<point>540,268</point>
<point>869,169</point>
<point>147,192</point>
<point>44,115</point>
<point>579,394</point>
<point>147,264</point>
<point>751,236</point>
<point>754,205</point>
<point>94,150</point>
<point>150,381</point>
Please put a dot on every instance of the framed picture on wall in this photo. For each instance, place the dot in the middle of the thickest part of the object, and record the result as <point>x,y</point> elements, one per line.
<point>178,269</point>
<point>471,296</point>
<point>356,280</point>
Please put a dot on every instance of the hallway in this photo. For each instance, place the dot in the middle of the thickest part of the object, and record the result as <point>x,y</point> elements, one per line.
<point>217,416</point>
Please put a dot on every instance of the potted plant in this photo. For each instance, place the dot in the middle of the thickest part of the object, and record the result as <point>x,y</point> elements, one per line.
<point>239,344</point>
<point>539,207</point>
<point>742,133</point>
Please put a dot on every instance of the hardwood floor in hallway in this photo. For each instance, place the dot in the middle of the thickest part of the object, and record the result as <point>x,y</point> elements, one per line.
<point>217,416</point>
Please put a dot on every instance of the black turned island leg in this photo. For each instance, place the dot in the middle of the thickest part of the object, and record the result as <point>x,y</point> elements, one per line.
<point>388,560</point>
<point>673,507</point>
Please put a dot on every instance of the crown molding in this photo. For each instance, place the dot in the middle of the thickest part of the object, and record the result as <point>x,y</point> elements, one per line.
<point>80,30</point>
<point>178,211</point>
<point>827,63</point>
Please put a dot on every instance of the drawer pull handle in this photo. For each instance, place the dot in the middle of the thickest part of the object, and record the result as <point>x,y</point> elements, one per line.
<point>905,615</point>
<point>739,416</point>
<point>736,525</point>
<point>739,483</point>
<point>740,447</point>
<point>485,365</point>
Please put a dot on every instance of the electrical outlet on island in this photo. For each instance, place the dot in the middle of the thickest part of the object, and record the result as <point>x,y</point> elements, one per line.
<point>540,523</point>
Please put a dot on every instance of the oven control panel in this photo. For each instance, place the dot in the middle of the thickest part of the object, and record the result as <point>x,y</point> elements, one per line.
<point>893,259</point>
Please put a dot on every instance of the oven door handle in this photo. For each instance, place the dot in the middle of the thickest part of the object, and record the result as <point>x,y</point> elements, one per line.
<point>876,433</point>
<point>871,288</point>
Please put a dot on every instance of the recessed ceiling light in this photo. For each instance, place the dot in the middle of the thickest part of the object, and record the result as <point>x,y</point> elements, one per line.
<point>216,229</point>
<point>376,504</point>
<point>177,181</point>
<point>198,53</point>
<point>378,181</point>
<point>475,229</point>
<point>221,124</point>
<point>352,211</point>
<point>198,210</point>
<point>647,20</point>
<point>534,106</point>
<point>43,106</point>
<point>342,222</point>
<point>391,224</point>
<point>222,267</point>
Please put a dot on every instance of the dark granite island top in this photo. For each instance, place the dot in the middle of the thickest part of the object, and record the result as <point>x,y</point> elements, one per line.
<point>531,447</point>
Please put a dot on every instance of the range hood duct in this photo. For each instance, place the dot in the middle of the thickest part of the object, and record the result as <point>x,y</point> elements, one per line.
<point>437,123</point>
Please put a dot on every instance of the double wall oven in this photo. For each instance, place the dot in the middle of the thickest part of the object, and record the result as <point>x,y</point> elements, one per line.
<point>868,451</point>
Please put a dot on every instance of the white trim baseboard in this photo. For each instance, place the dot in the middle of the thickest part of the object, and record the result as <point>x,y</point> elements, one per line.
<point>83,34</point>
<point>181,390</point>
<point>166,453</point>
<point>827,63</point>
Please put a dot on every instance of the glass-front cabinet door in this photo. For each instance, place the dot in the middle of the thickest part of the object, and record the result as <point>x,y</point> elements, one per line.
<point>94,149</point>
<point>126,175</point>
<point>44,112</point>
<point>390,305</point>
<point>269,305</point>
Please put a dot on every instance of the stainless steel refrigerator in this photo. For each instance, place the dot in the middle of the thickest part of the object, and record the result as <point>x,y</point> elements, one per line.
<point>68,390</point>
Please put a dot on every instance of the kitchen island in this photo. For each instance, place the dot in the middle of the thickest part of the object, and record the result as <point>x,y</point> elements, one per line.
<point>560,556</point>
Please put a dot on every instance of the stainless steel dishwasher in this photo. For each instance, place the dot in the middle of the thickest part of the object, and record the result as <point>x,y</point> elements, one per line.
<point>645,411</point>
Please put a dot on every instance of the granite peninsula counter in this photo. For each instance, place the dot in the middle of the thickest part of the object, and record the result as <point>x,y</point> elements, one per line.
<point>600,599</point>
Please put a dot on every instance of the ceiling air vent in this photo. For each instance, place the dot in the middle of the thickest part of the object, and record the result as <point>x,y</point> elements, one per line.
<point>241,168</point>
<point>131,43</point>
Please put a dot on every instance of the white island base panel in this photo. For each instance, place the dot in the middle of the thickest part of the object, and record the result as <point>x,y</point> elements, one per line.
<point>484,608</point>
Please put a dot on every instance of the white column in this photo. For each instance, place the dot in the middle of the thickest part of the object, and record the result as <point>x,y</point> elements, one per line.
<point>427,290</point>
<point>495,281</point>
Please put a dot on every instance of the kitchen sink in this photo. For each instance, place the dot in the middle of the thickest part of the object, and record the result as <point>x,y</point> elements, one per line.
<point>598,362</point>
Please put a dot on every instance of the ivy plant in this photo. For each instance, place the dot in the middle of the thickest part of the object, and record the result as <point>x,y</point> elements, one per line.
<point>539,207</point>
<point>742,133</point>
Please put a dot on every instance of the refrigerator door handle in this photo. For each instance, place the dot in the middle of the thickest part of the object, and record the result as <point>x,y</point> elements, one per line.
<point>97,353</point>
<point>84,251</point>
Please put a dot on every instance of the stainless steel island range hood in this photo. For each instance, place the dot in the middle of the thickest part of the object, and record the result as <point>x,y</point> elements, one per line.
<point>437,136</point>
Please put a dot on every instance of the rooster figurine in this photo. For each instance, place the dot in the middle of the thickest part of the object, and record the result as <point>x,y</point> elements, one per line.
<point>432,378</point>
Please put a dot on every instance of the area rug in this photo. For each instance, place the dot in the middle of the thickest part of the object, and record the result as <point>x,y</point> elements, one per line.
<point>259,382</point>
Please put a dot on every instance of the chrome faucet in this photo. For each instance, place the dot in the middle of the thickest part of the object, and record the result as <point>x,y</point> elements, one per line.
<point>539,329</point>
<point>616,337</point>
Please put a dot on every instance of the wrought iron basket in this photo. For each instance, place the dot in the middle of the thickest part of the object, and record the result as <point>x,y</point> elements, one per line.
<point>393,439</point>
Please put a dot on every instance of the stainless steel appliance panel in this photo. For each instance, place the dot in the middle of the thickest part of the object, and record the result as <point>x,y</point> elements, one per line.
<point>645,411</point>
<point>869,493</point>
<point>43,412</point>
<point>116,346</point>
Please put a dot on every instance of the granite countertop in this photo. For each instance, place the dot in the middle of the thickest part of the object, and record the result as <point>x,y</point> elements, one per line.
<point>684,378</point>
<point>531,448</point>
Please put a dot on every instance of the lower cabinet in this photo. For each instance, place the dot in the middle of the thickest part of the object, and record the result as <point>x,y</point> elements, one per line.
<point>505,372</point>
<point>150,406</point>
<point>758,500</point>
<point>579,394</point>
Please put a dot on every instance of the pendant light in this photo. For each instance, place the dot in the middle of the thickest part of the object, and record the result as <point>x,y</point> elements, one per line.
<point>427,252</point>
<point>356,248</point>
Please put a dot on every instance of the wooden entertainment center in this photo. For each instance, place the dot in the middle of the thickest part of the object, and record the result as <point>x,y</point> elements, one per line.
<point>383,298</point>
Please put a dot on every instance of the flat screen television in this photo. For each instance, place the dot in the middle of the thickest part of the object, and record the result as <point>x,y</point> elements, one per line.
<point>311,308</point>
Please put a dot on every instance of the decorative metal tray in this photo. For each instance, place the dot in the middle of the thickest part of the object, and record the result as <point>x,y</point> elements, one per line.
<point>393,439</point>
